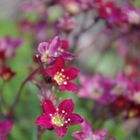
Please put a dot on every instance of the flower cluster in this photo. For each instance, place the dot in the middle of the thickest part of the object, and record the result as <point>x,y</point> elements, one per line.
<point>52,57</point>
<point>123,91</point>
<point>87,133</point>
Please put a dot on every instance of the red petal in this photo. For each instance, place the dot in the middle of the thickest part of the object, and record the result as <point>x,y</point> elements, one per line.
<point>64,44</point>
<point>70,87</point>
<point>44,120</point>
<point>48,107</point>
<point>66,105</point>
<point>71,72</point>
<point>75,119</point>
<point>61,131</point>
<point>51,71</point>
<point>59,64</point>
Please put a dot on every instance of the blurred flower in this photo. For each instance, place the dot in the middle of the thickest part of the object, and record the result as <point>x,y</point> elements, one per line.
<point>121,103</point>
<point>71,6</point>
<point>66,23</point>
<point>133,111</point>
<point>58,118</point>
<point>121,85</point>
<point>5,128</point>
<point>49,51</point>
<point>87,134</point>
<point>6,73</point>
<point>26,25</point>
<point>133,14</point>
<point>110,12</point>
<point>63,76</point>
<point>98,88</point>
<point>8,47</point>
<point>86,4</point>
<point>33,6</point>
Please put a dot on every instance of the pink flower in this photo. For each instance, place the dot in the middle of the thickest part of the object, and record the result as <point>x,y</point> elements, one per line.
<point>49,51</point>
<point>97,88</point>
<point>58,118</point>
<point>88,134</point>
<point>8,47</point>
<point>132,14</point>
<point>63,76</point>
<point>5,128</point>
<point>6,73</point>
<point>66,23</point>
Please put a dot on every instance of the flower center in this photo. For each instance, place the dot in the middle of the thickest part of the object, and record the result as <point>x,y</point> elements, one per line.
<point>133,113</point>
<point>58,120</point>
<point>118,89</point>
<point>60,78</point>
<point>45,57</point>
<point>108,10</point>
<point>6,76</point>
<point>97,92</point>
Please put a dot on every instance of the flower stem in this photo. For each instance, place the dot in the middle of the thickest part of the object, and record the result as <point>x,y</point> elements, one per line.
<point>18,95</point>
<point>39,133</point>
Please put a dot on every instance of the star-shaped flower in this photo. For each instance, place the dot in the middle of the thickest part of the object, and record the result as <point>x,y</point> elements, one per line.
<point>58,118</point>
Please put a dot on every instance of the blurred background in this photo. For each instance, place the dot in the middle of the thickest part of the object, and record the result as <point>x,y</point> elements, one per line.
<point>97,52</point>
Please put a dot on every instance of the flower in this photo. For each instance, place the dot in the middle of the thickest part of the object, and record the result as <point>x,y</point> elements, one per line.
<point>49,51</point>
<point>5,128</point>
<point>132,14</point>
<point>58,118</point>
<point>71,6</point>
<point>97,88</point>
<point>6,73</point>
<point>63,76</point>
<point>8,47</point>
<point>110,12</point>
<point>66,23</point>
<point>88,134</point>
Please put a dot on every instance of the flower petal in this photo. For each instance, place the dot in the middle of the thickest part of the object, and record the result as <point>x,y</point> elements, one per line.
<point>61,131</point>
<point>5,127</point>
<point>43,47</point>
<point>74,119</point>
<point>66,105</point>
<point>64,44</point>
<point>51,71</point>
<point>54,45</point>
<point>70,87</point>
<point>48,107</point>
<point>59,64</point>
<point>44,120</point>
<point>71,72</point>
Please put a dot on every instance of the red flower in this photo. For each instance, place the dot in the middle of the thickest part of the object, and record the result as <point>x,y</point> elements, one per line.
<point>58,118</point>
<point>6,73</point>
<point>63,76</point>
<point>110,12</point>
